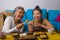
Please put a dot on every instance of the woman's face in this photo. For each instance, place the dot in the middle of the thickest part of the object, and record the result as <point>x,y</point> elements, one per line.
<point>37,15</point>
<point>19,14</point>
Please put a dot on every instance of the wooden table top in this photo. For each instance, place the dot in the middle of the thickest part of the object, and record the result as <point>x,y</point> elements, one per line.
<point>54,36</point>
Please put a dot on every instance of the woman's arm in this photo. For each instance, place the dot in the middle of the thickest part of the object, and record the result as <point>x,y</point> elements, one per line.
<point>48,25</point>
<point>7,25</point>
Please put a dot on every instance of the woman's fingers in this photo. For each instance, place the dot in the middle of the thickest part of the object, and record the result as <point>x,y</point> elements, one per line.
<point>19,25</point>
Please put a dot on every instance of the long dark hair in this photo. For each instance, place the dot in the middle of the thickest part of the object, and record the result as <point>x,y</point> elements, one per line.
<point>17,8</point>
<point>37,8</point>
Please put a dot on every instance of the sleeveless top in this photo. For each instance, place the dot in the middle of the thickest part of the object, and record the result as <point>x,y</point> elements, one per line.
<point>39,28</point>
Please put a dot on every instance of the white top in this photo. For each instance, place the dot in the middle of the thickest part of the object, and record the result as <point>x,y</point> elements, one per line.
<point>9,25</point>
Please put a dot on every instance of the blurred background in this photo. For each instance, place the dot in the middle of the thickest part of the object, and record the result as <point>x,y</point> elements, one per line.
<point>11,4</point>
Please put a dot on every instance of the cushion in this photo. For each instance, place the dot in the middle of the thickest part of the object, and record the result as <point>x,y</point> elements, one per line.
<point>9,11</point>
<point>1,21</point>
<point>52,14</point>
<point>5,14</point>
<point>29,14</point>
<point>58,18</point>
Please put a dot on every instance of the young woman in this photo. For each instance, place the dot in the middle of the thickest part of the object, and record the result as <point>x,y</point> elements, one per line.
<point>39,24</point>
<point>14,24</point>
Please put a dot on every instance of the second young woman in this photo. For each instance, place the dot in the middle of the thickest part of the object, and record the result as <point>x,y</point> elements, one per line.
<point>39,24</point>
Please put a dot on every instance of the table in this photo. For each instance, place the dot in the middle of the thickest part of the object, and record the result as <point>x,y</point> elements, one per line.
<point>55,36</point>
<point>8,37</point>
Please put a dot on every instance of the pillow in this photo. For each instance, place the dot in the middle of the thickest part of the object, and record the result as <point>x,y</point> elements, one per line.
<point>58,18</point>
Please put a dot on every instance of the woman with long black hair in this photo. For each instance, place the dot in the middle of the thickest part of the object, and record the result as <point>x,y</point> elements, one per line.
<point>39,24</point>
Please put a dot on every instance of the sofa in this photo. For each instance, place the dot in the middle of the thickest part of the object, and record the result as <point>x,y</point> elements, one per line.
<point>50,15</point>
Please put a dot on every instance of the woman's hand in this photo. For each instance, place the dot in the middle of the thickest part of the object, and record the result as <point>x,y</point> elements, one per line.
<point>20,25</point>
<point>37,24</point>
